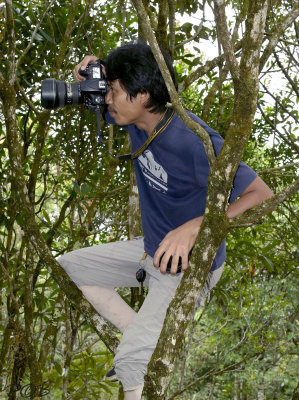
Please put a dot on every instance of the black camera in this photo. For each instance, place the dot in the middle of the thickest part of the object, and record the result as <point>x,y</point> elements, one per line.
<point>90,92</point>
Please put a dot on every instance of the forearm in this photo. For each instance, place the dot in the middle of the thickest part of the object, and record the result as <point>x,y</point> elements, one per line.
<point>255,194</point>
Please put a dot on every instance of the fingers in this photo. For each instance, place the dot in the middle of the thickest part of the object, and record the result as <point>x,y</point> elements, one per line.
<point>176,246</point>
<point>159,253</point>
<point>185,261</point>
<point>174,264</point>
<point>168,264</point>
<point>166,261</point>
<point>82,65</point>
<point>179,261</point>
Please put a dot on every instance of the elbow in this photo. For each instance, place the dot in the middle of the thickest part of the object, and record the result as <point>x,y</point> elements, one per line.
<point>263,191</point>
<point>268,193</point>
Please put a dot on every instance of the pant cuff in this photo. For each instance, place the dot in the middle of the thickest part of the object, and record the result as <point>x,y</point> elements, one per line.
<point>130,379</point>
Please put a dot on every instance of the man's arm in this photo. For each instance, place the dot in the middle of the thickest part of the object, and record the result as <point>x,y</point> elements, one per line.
<point>253,195</point>
<point>178,242</point>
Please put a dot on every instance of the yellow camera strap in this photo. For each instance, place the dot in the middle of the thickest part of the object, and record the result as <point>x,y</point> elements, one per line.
<point>162,124</point>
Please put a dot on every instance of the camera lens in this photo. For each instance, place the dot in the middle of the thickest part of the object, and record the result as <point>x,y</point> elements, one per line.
<point>53,93</point>
<point>59,93</point>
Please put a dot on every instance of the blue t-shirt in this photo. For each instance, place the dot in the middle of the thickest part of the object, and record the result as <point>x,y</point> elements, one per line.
<point>172,178</point>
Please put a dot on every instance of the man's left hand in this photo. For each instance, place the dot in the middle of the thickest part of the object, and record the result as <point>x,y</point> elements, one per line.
<point>177,243</point>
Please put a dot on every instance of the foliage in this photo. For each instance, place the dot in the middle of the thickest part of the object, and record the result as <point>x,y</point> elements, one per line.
<point>81,197</point>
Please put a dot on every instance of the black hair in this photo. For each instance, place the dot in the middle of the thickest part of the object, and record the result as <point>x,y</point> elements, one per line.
<point>138,72</point>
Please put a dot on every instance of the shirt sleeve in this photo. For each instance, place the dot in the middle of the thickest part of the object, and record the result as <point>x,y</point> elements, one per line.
<point>243,178</point>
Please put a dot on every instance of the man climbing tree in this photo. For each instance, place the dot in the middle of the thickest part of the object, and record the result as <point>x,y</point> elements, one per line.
<point>172,171</point>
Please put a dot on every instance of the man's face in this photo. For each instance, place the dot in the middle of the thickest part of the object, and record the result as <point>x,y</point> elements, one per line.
<point>124,110</point>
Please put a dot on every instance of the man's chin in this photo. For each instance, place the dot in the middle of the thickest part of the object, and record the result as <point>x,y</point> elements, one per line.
<point>118,119</point>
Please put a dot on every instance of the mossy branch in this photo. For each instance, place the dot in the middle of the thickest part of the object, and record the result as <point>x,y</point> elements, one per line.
<point>274,36</point>
<point>225,38</point>
<point>264,208</point>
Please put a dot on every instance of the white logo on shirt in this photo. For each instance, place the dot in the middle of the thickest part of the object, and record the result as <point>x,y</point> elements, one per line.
<point>153,172</point>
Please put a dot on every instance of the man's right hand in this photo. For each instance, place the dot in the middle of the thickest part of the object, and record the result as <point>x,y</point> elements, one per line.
<point>83,64</point>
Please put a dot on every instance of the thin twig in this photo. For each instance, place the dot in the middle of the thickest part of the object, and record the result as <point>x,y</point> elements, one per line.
<point>25,52</point>
<point>214,372</point>
<point>270,170</point>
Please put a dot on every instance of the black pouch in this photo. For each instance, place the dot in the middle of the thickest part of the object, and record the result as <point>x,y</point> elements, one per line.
<point>141,273</point>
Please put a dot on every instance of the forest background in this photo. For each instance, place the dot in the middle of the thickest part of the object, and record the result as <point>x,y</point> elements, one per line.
<point>60,191</point>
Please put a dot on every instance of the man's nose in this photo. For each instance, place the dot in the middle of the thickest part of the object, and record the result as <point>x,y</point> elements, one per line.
<point>108,97</point>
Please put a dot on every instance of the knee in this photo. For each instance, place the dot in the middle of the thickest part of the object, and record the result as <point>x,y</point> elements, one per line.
<point>64,260</point>
<point>69,264</point>
<point>69,261</point>
<point>131,375</point>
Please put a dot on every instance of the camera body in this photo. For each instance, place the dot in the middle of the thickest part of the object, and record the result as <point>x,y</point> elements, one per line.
<point>90,92</point>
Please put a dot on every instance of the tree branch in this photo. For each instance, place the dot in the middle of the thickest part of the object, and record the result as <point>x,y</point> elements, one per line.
<point>288,140</point>
<point>225,38</point>
<point>202,70</point>
<point>280,167</point>
<point>285,72</point>
<point>197,31</point>
<point>252,43</point>
<point>208,100</point>
<point>172,9</point>
<point>267,206</point>
<point>213,372</point>
<point>281,105</point>
<point>10,33</point>
<point>208,66</point>
<point>26,99</point>
<point>161,31</point>
<point>276,33</point>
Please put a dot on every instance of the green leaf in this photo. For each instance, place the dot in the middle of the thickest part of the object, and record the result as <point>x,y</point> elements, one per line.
<point>85,189</point>
<point>46,215</point>
<point>269,264</point>
<point>46,36</point>
<point>76,187</point>
<point>58,367</point>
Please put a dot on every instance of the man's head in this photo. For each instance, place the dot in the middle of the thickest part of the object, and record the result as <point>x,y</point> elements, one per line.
<point>136,69</point>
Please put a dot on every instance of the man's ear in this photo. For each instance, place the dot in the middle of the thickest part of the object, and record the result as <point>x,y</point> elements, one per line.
<point>143,97</point>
